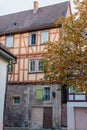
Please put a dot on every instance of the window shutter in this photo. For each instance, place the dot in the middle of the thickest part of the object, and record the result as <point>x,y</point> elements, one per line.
<point>10,66</point>
<point>39,94</point>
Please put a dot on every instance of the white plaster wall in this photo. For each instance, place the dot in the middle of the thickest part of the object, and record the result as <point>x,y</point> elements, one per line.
<point>70,113</point>
<point>3,76</point>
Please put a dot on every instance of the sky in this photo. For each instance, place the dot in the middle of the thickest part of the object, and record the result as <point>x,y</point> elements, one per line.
<point>13,6</point>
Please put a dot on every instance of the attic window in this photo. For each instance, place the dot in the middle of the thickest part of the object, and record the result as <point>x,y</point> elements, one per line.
<point>14,23</point>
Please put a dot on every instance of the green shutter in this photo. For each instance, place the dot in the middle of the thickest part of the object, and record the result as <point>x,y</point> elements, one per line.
<point>10,66</point>
<point>39,94</point>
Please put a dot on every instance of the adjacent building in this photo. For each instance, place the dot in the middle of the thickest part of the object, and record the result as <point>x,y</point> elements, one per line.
<point>77,109</point>
<point>5,57</point>
<point>30,102</point>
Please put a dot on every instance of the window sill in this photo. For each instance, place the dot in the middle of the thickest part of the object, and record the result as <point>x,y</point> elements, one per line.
<point>10,72</point>
<point>9,47</point>
<point>47,101</point>
<point>16,104</point>
<point>35,72</point>
<point>32,45</point>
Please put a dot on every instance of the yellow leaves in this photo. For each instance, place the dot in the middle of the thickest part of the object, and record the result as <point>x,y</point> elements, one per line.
<point>66,59</point>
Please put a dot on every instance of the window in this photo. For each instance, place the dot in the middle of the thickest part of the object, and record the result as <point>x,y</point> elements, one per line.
<point>40,65</point>
<point>36,66</point>
<point>10,66</point>
<point>16,99</point>
<point>39,94</point>
<point>33,39</point>
<point>71,90</point>
<point>47,94</point>
<point>32,65</point>
<point>43,94</point>
<point>44,37</point>
<point>9,41</point>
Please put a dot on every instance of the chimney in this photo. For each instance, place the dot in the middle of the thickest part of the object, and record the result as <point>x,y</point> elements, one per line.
<point>36,5</point>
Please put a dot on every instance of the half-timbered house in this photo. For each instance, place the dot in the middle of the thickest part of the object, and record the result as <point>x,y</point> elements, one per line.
<point>30,103</point>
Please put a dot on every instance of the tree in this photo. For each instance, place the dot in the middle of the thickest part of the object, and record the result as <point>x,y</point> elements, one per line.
<point>66,59</point>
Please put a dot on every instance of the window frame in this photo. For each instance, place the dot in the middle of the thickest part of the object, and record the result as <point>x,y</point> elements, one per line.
<point>13,100</point>
<point>36,66</point>
<point>30,71</point>
<point>48,95</point>
<point>42,37</point>
<point>42,90</point>
<point>30,41</point>
<point>39,66</point>
<point>9,39</point>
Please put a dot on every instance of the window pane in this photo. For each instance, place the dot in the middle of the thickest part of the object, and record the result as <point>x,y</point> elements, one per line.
<point>16,100</point>
<point>44,37</point>
<point>40,65</point>
<point>46,94</point>
<point>71,90</point>
<point>33,39</point>
<point>9,41</point>
<point>32,66</point>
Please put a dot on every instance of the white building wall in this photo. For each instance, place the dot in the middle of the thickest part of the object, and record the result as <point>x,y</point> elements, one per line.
<point>70,113</point>
<point>3,76</point>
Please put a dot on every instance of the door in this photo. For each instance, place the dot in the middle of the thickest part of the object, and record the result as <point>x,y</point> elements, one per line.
<point>47,117</point>
<point>80,118</point>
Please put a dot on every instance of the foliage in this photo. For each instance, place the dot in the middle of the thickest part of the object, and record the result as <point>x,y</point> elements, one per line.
<point>66,59</point>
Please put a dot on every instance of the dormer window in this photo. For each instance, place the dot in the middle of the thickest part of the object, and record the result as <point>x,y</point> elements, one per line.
<point>9,41</point>
<point>15,23</point>
<point>33,39</point>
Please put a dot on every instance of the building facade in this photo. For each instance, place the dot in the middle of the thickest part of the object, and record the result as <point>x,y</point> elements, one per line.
<point>30,102</point>
<point>77,108</point>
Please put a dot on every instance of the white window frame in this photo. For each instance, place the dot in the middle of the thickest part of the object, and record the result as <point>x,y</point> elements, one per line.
<point>44,37</point>
<point>9,41</point>
<point>32,71</point>
<point>31,39</point>
<point>38,67</point>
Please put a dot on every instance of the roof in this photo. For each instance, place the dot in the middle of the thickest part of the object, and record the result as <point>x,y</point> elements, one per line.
<point>6,53</point>
<point>29,21</point>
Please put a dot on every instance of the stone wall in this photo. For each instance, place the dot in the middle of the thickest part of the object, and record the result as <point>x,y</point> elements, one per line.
<point>20,115</point>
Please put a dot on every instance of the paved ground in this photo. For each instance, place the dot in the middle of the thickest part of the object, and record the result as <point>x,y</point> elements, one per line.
<point>13,128</point>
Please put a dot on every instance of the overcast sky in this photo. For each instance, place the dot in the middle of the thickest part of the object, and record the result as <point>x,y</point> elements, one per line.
<point>12,6</point>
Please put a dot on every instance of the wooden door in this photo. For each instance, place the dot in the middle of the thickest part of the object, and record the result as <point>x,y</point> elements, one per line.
<point>80,118</point>
<point>47,117</point>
